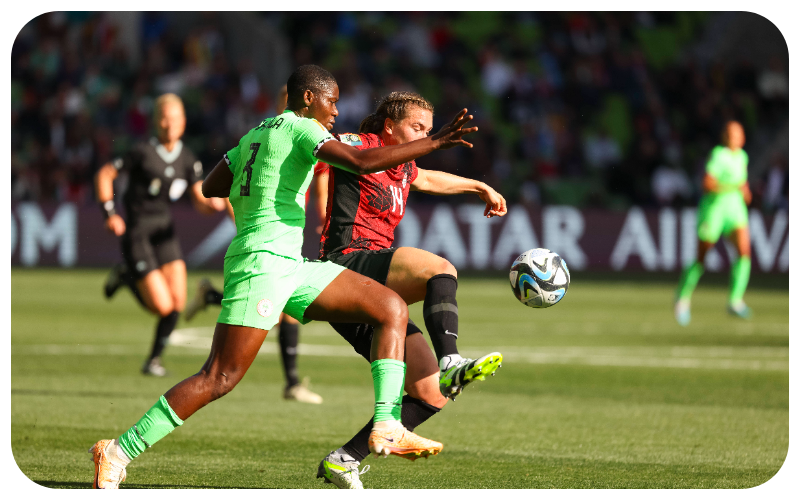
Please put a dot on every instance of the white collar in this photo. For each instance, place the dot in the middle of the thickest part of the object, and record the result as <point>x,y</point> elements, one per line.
<point>167,156</point>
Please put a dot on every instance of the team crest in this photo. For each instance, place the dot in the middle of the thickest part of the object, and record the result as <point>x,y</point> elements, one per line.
<point>350,139</point>
<point>264,307</point>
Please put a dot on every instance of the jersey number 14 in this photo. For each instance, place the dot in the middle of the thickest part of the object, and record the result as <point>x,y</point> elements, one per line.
<point>247,172</point>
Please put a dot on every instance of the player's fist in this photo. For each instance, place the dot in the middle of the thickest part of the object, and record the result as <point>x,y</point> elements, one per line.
<point>495,203</point>
<point>747,194</point>
<point>218,204</point>
<point>115,225</point>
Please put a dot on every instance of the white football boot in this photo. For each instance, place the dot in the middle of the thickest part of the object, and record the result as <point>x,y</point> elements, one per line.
<point>341,470</point>
<point>300,392</point>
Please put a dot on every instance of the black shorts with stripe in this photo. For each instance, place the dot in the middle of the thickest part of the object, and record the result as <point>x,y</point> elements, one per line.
<point>372,264</point>
<point>149,245</point>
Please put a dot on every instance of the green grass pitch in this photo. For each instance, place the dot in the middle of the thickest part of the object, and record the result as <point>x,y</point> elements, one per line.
<point>603,390</point>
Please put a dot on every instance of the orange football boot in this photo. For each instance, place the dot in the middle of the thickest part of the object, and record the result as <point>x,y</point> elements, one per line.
<point>107,473</point>
<point>403,443</point>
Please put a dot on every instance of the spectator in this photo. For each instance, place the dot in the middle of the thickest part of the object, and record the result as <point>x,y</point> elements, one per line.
<point>601,150</point>
<point>496,75</point>
<point>539,87</point>
<point>671,186</point>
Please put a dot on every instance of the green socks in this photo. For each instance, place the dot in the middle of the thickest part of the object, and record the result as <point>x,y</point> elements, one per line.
<point>388,377</point>
<point>740,275</point>
<point>689,278</point>
<point>159,421</point>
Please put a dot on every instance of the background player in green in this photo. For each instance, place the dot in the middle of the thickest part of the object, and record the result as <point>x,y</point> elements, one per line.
<point>722,211</point>
<point>265,178</point>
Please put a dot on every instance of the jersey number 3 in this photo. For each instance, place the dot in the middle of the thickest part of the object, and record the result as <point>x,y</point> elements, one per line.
<point>244,189</point>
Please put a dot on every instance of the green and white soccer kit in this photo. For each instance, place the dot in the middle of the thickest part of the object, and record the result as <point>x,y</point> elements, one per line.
<point>264,272</point>
<point>720,213</point>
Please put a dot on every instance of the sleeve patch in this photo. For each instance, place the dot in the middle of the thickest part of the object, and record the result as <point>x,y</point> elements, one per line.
<point>225,157</point>
<point>320,143</point>
<point>350,139</point>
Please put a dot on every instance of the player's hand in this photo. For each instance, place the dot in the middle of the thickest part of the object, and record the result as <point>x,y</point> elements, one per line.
<point>115,225</point>
<point>746,193</point>
<point>218,204</point>
<point>495,203</point>
<point>451,134</point>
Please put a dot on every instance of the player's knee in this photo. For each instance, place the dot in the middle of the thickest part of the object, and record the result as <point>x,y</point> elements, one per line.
<point>164,308</point>
<point>445,267</point>
<point>441,266</point>
<point>394,311</point>
<point>429,393</point>
<point>744,249</point>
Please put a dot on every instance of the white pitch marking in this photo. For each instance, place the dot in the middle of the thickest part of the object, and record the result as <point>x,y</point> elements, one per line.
<point>713,358</point>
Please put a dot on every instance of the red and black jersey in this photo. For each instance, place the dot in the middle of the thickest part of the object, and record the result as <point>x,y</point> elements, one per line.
<point>364,210</point>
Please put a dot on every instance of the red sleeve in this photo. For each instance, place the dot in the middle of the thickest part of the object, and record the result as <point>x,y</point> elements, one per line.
<point>320,168</point>
<point>369,141</point>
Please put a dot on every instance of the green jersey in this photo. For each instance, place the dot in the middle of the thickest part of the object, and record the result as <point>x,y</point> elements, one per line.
<point>728,167</point>
<point>722,212</point>
<point>272,168</point>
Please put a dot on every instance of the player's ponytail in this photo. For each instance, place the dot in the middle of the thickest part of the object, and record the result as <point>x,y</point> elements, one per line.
<point>394,106</point>
<point>372,124</point>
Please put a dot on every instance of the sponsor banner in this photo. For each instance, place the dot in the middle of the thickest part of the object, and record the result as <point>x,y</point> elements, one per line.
<point>67,235</point>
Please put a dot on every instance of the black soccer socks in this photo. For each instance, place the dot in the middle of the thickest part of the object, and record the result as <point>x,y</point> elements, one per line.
<point>440,311</point>
<point>164,328</point>
<point>288,335</point>
<point>413,413</point>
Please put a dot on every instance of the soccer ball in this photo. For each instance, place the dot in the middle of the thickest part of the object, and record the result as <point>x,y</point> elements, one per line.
<point>539,278</point>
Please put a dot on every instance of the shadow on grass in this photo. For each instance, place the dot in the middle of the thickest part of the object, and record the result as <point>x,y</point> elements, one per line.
<point>79,394</point>
<point>83,485</point>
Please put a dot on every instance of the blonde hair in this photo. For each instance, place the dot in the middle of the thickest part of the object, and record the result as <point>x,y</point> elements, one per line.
<point>394,106</point>
<point>163,100</point>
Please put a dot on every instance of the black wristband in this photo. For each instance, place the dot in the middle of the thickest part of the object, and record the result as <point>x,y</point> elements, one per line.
<point>108,208</point>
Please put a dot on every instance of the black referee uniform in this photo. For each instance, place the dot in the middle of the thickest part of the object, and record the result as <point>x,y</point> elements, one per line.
<point>156,177</point>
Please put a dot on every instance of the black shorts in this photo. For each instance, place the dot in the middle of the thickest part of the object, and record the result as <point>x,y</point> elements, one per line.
<point>148,246</point>
<point>372,264</point>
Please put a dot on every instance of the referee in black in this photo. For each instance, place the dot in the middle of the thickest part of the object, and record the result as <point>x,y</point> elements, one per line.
<point>160,171</point>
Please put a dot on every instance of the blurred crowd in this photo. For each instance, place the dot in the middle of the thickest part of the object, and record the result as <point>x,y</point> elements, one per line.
<point>598,109</point>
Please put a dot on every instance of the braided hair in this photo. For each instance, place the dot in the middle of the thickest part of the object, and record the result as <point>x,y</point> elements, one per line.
<point>394,106</point>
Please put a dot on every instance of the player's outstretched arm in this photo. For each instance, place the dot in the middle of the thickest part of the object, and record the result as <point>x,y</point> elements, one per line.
<point>442,183</point>
<point>367,161</point>
<point>218,182</point>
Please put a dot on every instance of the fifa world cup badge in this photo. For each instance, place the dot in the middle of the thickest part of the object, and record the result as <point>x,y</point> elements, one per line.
<point>264,307</point>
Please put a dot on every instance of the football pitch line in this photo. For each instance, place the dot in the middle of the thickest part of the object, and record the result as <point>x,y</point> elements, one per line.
<point>677,357</point>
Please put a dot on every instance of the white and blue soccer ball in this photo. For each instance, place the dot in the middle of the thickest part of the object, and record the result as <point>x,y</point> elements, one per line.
<point>539,278</point>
